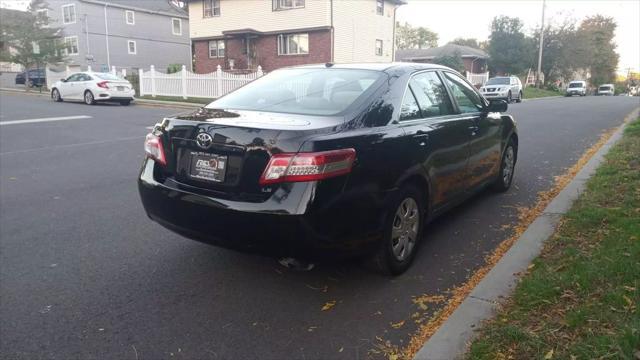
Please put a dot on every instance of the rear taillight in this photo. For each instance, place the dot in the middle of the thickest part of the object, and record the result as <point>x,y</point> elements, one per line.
<point>103,84</point>
<point>153,148</point>
<point>310,166</point>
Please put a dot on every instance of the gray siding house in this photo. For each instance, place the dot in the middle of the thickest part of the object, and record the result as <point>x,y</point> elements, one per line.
<point>127,34</point>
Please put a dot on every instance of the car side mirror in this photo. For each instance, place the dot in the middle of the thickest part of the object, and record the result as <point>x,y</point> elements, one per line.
<point>497,106</point>
<point>64,80</point>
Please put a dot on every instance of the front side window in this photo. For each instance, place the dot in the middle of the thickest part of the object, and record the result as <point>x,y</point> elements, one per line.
<point>176,26</point>
<point>431,95</point>
<point>467,98</point>
<point>293,44</point>
<point>380,7</point>
<point>69,14</point>
<point>130,17</point>
<point>287,4</point>
<point>306,91</point>
<point>210,8</point>
<point>71,45</point>
<point>131,47</point>
<point>379,47</point>
<point>216,49</point>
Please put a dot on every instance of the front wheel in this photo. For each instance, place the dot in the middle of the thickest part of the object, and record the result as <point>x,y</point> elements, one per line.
<point>403,230</point>
<point>507,168</point>
<point>509,99</point>
<point>88,98</point>
<point>519,100</point>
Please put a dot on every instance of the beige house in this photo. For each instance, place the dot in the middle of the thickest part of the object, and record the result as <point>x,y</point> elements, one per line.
<point>242,34</point>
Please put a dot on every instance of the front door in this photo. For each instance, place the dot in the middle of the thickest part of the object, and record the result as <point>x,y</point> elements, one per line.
<point>484,131</point>
<point>438,135</point>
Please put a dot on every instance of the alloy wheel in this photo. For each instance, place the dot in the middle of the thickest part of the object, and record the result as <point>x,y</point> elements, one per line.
<point>508,165</point>
<point>404,232</point>
<point>56,95</point>
<point>88,98</point>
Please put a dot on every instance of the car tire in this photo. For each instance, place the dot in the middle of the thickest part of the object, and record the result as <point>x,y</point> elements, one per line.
<point>519,100</point>
<point>507,167</point>
<point>125,102</point>
<point>509,99</point>
<point>55,95</point>
<point>88,98</point>
<point>31,84</point>
<point>402,234</point>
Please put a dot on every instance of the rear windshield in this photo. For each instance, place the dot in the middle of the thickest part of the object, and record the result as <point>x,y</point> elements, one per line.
<point>498,81</point>
<point>301,91</point>
<point>575,85</point>
<point>106,76</point>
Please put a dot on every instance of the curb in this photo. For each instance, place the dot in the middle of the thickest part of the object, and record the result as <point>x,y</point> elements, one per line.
<point>542,98</point>
<point>452,338</point>
<point>146,102</point>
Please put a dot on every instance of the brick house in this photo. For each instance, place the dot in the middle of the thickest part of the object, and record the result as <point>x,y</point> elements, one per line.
<point>475,60</point>
<point>242,34</point>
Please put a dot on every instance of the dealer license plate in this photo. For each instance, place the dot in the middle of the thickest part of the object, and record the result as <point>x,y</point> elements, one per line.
<point>208,167</point>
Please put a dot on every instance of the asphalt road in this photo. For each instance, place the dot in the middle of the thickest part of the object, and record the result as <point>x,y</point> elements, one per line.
<point>84,273</point>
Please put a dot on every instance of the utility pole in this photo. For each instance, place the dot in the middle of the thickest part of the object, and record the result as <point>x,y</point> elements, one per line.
<point>538,84</point>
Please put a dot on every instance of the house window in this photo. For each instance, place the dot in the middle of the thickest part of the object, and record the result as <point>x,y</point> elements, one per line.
<point>131,47</point>
<point>71,45</point>
<point>378,47</point>
<point>287,4</point>
<point>43,17</point>
<point>69,14</point>
<point>176,26</point>
<point>130,17</point>
<point>293,44</point>
<point>216,49</point>
<point>380,7</point>
<point>210,8</point>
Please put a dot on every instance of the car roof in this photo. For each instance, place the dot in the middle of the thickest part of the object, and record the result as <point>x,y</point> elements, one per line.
<point>409,66</point>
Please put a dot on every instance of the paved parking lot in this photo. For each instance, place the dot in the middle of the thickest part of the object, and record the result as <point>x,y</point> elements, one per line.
<point>84,273</point>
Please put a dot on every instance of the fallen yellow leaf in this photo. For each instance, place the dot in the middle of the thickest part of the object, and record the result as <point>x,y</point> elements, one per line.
<point>549,355</point>
<point>397,325</point>
<point>328,305</point>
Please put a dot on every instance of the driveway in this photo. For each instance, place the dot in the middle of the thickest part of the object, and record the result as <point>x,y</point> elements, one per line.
<point>85,274</point>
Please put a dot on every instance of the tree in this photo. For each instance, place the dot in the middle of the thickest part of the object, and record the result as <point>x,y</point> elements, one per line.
<point>466,42</point>
<point>597,33</point>
<point>563,50</point>
<point>510,51</point>
<point>453,61</point>
<point>29,38</point>
<point>409,37</point>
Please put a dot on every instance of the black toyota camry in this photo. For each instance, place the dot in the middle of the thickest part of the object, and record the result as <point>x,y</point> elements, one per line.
<point>328,161</point>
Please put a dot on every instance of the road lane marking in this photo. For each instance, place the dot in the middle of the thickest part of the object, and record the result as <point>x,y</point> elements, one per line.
<point>29,121</point>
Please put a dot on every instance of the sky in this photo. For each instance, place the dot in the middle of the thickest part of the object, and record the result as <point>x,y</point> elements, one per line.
<point>472,19</point>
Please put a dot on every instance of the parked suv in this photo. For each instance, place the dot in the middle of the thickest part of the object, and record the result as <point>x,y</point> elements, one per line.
<point>577,87</point>
<point>504,88</point>
<point>606,89</point>
<point>36,77</point>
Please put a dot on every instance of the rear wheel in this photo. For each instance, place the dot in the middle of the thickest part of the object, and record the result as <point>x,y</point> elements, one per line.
<point>125,102</point>
<point>88,98</point>
<point>507,168</point>
<point>55,95</point>
<point>403,230</point>
<point>519,100</point>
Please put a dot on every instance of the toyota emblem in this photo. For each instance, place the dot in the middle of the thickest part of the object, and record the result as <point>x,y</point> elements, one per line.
<point>204,140</point>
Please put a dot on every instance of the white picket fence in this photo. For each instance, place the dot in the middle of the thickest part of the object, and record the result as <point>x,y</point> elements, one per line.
<point>186,84</point>
<point>53,76</point>
<point>477,79</point>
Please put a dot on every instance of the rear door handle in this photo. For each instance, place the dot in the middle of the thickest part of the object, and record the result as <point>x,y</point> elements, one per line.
<point>422,137</point>
<point>474,130</point>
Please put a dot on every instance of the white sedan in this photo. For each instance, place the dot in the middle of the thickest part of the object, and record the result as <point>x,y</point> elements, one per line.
<point>91,87</point>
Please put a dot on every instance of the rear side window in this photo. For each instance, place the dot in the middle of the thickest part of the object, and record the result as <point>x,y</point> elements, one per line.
<point>431,95</point>
<point>466,96</point>
<point>309,91</point>
<point>409,109</point>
